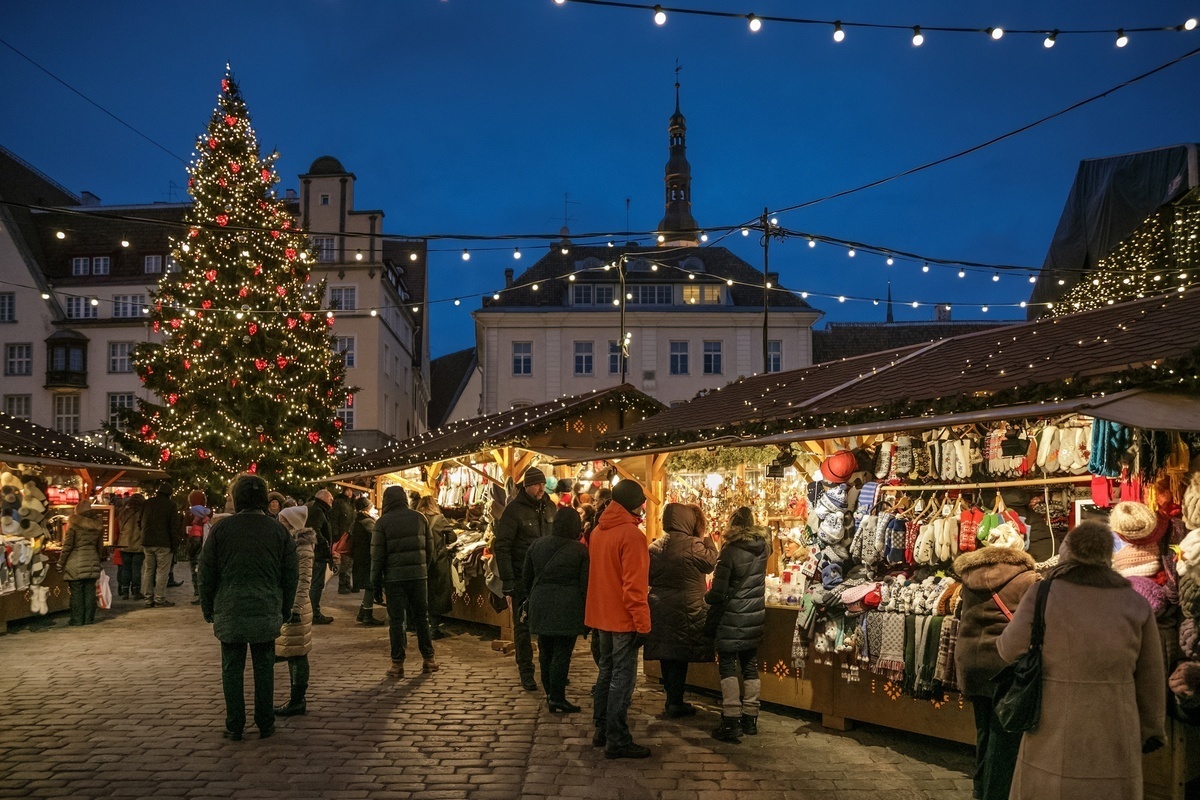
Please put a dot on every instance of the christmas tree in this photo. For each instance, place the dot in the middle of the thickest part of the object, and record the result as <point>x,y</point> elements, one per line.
<point>245,374</point>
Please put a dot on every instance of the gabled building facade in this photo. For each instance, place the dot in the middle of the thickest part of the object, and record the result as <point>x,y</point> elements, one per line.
<point>674,319</point>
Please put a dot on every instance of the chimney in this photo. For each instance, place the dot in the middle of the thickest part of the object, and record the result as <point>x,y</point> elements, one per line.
<point>943,312</point>
<point>508,278</point>
<point>88,200</point>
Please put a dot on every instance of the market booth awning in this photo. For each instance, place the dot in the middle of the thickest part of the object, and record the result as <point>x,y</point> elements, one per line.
<point>23,442</point>
<point>1035,368</point>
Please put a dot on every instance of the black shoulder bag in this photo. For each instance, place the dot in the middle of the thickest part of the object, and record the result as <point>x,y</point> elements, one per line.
<point>523,609</point>
<point>1019,685</point>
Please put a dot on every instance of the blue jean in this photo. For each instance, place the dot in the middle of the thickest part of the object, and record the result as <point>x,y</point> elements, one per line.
<point>129,574</point>
<point>614,686</point>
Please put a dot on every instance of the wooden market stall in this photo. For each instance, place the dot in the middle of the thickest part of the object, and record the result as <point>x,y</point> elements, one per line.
<point>1135,364</point>
<point>496,450</point>
<point>43,475</point>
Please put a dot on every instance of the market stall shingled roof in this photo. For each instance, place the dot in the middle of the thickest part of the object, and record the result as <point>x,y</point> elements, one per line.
<point>1149,343</point>
<point>504,428</point>
<point>23,442</point>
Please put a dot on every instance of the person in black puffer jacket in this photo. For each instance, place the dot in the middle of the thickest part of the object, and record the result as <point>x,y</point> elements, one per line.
<point>555,575</point>
<point>679,560</point>
<point>319,509</point>
<point>360,560</point>
<point>401,553</point>
<point>738,598</point>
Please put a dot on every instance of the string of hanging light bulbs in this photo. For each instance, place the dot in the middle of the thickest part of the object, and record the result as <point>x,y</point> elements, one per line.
<point>838,27</point>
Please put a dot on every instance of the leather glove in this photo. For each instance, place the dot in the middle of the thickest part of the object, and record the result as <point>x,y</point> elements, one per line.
<point>1151,744</point>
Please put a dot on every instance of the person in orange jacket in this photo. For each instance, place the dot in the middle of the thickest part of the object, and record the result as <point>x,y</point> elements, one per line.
<point>618,612</point>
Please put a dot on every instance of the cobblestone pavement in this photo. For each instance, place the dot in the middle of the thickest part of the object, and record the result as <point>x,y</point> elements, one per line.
<point>131,708</point>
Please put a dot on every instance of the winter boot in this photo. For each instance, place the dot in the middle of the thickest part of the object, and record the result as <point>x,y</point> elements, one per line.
<point>296,705</point>
<point>749,725</point>
<point>396,670</point>
<point>730,730</point>
<point>429,665</point>
<point>367,617</point>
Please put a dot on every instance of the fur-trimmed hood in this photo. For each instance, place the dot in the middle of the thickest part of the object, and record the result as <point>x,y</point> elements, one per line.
<point>83,521</point>
<point>991,567</point>
<point>305,536</point>
<point>740,534</point>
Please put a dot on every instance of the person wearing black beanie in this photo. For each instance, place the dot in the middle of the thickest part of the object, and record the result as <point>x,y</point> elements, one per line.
<point>630,495</point>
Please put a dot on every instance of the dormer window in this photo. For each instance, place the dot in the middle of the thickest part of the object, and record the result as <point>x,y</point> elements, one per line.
<point>324,199</point>
<point>66,360</point>
<point>692,264</point>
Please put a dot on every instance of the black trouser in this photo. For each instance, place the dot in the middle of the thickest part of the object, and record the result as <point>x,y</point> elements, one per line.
<point>317,587</point>
<point>83,601</point>
<point>194,545</point>
<point>408,600</point>
<point>298,675</point>
<point>554,653</point>
<point>233,680</point>
<point>995,752</point>
<point>522,642</point>
<point>674,678</point>
<point>345,571</point>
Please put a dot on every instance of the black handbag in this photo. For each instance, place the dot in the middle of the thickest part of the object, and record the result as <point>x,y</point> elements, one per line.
<point>1019,685</point>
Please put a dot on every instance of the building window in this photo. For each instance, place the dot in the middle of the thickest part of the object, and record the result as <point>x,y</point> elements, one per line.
<point>18,359</point>
<point>66,358</point>
<point>116,402</point>
<point>153,265</point>
<point>345,346</point>
<point>650,295</point>
<point>604,295</point>
<point>343,298</point>
<point>81,308</point>
<point>387,359</point>
<point>18,405</point>
<point>66,413</point>
<point>583,358</point>
<point>120,357</point>
<point>581,295</point>
<point>81,266</point>
<point>324,247</point>
<point>126,306</point>
<point>346,413</point>
<point>774,355</point>
<point>679,358</point>
<point>324,199</point>
<point>172,264</point>
<point>712,358</point>
<point>615,358</point>
<point>8,306</point>
<point>100,265</point>
<point>522,358</point>
<point>701,294</point>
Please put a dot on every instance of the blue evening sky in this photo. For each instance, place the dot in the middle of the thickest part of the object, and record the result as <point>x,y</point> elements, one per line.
<point>476,116</point>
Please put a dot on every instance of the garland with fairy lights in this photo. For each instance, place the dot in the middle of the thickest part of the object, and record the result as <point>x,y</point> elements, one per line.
<point>1181,374</point>
<point>238,389</point>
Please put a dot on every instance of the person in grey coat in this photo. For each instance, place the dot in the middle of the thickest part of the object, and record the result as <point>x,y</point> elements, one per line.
<point>402,551</point>
<point>679,560</point>
<point>555,576</point>
<point>738,598</point>
<point>80,562</point>
<point>248,577</point>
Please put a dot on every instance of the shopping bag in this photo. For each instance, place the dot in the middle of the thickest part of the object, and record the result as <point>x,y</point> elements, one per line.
<point>104,591</point>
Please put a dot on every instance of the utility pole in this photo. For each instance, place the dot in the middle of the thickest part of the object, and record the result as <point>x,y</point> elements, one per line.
<point>766,245</point>
<point>623,341</point>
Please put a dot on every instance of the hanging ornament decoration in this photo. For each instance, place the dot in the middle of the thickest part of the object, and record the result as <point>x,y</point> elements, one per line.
<point>258,269</point>
<point>165,454</point>
<point>193,233</point>
<point>314,437</point>
<point>275,234</point>
<point>211,276</point>
<point>291,323</point>
<point>290,254</point>
<point>205,304</point>
<point>235,168</point>
<point>244,291</point>
<point>222,220</point>
<point>253,468</point>
<point>281,361</point>
<point>307,317</point>
<point>330,449</point>
<point>259,364</point>
<point>252,328</point>
<point>200,453</point>
<point>172,399</point>
<point>187,363</point>
<point>281,291</point>
<point>230,120</point>
<point>175,323</point>
<point>266,175</point>
<point>212,144</point>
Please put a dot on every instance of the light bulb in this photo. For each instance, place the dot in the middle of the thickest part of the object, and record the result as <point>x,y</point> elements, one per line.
<point>61,235</point>
<point>124,243</point>
<point>851,252</point>
<point>1062,282</point>
<point>924,268</point>
<point>915,304</point>
<point>1190,25</point>
<point>661,238</point>
<point>841,298</point>
<point>838,33</point>
<point>804,295</point>
<point>918,39</point>
<point>729,282</point>
<point>703,238</point>
<point>996,33</point>
<point>458,302</point>
<point>755,23</point>
<point>962,273</point>
<point>610,244</point>
<point>375,313</point>
<point>1049,41</point>
<point>95,302</point>
<point>496,296</point>
<point>1122,39</point>
<point>890,261</point>
<point>660,16</point>
<point>466,255</point>
<point>812,242</point>
<point>412,256</point>
<point>875,302</point>
<point>358,256</point>
<point>774,220</point>
<point>559,2</point>
<point>45,295</point>
<point>570,277</point>
<point>565,251</point>
<point>616,302</point>
<point>985,308</point>
<point>517,253</point>
<point>415,309</point>
<point>745,232</point>
<point>948,307</point>
<point>996,277</point>
<point>1023,304</point>
<point>1033,279</point>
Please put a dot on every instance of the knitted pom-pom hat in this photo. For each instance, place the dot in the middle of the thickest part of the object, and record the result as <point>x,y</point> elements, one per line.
<point>1191,503</point>
<point>1136,523</point>
<point>1089,542</point>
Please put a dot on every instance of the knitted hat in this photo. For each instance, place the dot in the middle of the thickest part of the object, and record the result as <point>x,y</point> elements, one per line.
<point>533,476</point>
<point>1191,503</point>
<point>196,498</point>
<point>1089,542</point>
<point>1189,553</point>
<point>362,503</point>
<point>1136,523</point>
<point>1133,560</point>
<point>1005,535</point>
<point>567,524</point>
<point>1154,594</point>
<point>1185,680</point>
<point>839,467</point>
<point>295,517</point>
<point>628,494</point>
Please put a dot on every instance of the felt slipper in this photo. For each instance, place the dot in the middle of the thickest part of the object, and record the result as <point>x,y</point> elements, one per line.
<point>962,458</point>
<point>883,460</point>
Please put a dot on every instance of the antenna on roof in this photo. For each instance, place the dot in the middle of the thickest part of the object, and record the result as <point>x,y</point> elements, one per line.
<point>172,186</point>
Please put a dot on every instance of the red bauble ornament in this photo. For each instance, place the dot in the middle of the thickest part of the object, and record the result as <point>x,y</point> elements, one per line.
<point>230,120</point>
<point>281,362</point>
<point>291,323</point>
<point>290,254</point>
<point>266,176</point>
<point>222,220</point>
<point>175,323</point>
<point>287,223</point>
<point>172,399</point>
<point>187,364</point>
<point>307,278</point>
<point>221,182</point>
<point>259,364</point>
<point>258,269</point>
<point>242,292</point>
<point>211,275</point>
<point>329,321</point>
<point>233,382</point>
<point>224,84</point>
<point>252,328</point>
<point>154,326</point>
<point>165,455</point>
<point>253,468</point>
<point>314,437</point>
<point>281,291</point>
<point>235,168</point>
<point>206,303</point>
<point>330,449</point>
<point>307,317</point>
<point>262,437</point>
<point>191,182</point>
<point>193,233</point>
<point>262,204</point>
<point>145,430</point>
<point>212,144</point>
<point>200,452</point>
<point>196,343</point>
<point>337,423</point>
<point>274,234</point>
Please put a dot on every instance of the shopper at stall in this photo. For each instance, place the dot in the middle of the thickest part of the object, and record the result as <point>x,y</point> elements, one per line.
<point>619,614</point>
<point>360,558</point>
<point>129,542</point>
<point>441,585</point>
<point>679,561</point>
<point>401,552</point>
<point>341,519</point>
<point>248,578</point>
<point>80,562</point>
<point>196,519</point>
<point>738,609</point>
<point>162,531</point>
<point>319,509</point>
<point>527,517</point>
<point>994,580</point>
<point>295,637</point>
<point>555,576</point>
<point>1103,702</point>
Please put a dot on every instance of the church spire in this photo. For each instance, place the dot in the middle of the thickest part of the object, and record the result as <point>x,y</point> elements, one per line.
<point>678,227</point>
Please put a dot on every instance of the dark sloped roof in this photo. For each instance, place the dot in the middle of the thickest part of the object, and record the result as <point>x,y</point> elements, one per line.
<point>448,377</point>
<point>24,185</point>
<point>719,265</point>
<point>504,428</point>
<point>25,442</point>
<point>327,165</point>
<point>1116,344</point>
<point>848,339</point>
<point>99,231</point>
